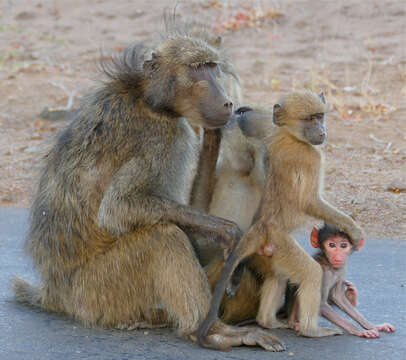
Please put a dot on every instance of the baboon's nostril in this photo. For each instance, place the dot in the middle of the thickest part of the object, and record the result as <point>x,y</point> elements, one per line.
<point>228,105</point>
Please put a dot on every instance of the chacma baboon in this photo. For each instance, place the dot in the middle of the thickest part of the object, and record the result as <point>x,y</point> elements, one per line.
<point>238,177</point>
<point>335,247</point>
<point>292,191</point>
<point>106,223</point>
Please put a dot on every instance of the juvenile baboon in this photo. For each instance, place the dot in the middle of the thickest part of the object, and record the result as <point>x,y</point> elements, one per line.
<point>238,180</point>
<point>106,224</point>
<point>292,191</point>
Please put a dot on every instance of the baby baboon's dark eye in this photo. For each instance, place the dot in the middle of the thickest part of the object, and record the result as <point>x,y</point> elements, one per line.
<point>332,245</point>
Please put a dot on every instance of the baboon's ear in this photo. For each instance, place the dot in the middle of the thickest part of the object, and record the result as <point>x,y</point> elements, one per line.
<point>150,66</point>
<point>160,91</point>
<point>323,99</point>
<point>276,116</point>
<point>314,237</point>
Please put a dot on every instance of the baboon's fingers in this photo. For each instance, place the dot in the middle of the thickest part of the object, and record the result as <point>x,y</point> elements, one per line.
<point>264,339</point>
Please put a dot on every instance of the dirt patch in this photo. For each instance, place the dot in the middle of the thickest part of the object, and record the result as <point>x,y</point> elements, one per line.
<point>353,51</point>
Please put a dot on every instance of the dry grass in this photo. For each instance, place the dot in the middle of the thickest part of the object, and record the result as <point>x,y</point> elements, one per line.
<point>236,15</point>
<point>350,99</point>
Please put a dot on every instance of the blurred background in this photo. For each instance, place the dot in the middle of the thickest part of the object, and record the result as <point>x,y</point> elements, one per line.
<point>354,51</point>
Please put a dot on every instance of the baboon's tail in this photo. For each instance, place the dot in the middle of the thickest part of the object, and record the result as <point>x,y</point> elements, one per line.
<point>26,293</point>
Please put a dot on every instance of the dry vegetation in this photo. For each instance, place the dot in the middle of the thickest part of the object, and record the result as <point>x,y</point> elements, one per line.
<point>353,51</point>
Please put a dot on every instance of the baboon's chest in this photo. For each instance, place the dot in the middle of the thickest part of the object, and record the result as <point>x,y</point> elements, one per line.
<point>183,157</point>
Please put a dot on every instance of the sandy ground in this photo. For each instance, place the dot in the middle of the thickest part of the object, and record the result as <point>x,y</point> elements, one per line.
<point>354,51</point>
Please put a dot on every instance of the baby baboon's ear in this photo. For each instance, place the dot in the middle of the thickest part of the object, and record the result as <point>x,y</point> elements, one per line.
<point>314,238</point>
<point>277,114</point>
<point>322,97</point>
<point>160,91</point>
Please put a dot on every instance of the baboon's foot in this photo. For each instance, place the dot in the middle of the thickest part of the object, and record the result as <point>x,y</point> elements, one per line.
<point>273,324</point>
<point>320,331</point>
<point>139,325</point>
<point>294,325</point>
<point>224,337</point>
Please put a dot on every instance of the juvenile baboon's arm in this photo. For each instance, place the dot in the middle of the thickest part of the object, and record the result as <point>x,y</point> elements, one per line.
<point>339,298</point>
<point>330,314</point>
<point>129,201</point>
<point>204,183</point>
<point>321,209</point>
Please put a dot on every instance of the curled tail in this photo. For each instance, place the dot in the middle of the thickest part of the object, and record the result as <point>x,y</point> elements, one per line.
<point>26,293</point>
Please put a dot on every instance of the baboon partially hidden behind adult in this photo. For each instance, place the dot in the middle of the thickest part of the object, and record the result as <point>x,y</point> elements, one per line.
<point>106,223</point>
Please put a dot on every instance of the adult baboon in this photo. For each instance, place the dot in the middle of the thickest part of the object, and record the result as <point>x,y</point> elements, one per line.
<point>292,191</point>
<point>238,177</point>
<point>106,224</point>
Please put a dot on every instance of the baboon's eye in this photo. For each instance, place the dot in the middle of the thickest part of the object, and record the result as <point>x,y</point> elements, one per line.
<point>344,245</point>
<point>332,245</point>
<point>318,116</point>
<point>211,64</point>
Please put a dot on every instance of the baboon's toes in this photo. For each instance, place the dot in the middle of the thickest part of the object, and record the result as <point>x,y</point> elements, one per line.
<point>264,339</point>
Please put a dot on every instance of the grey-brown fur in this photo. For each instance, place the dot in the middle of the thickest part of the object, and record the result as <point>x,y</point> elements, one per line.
<point>292,192</point>
<point>239,174</point>
<point>106,224</point>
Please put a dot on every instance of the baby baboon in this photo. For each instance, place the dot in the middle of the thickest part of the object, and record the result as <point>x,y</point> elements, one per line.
<point>106,224</point>
<point>292,191</point>
<point>334,249</point>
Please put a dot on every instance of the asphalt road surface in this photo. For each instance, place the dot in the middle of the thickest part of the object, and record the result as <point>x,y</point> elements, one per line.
<point>378,271</point>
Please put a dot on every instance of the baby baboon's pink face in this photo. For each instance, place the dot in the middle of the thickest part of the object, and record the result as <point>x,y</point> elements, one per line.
<point>337,249</point>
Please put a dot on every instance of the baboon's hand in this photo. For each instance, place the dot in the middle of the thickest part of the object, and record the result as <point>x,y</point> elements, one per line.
<point>385,327</point>
<point>356,234</point>
<point>372,333</point>
<point>351,293</point>
<point>230,234</point>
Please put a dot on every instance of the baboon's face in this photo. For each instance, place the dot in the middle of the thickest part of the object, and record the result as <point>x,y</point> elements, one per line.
<point>314,129</point>
<point>184,78</point>
<point>255,123</point>
<point>212,105</point>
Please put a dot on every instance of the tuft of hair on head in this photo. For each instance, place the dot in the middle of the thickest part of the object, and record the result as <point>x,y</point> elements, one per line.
<point>176,26</point>
<point>328,231</point>
<point>126,69</point>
